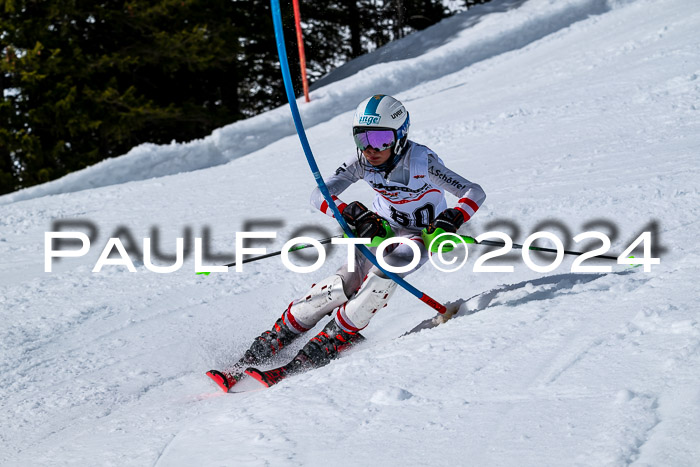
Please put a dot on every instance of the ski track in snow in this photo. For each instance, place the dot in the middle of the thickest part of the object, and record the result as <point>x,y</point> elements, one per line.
<point>579,113</point>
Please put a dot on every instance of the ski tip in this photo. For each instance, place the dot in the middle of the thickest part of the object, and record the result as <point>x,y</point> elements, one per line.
<point>258,375</point>
<point>268,378</point>
<point>219,379</point>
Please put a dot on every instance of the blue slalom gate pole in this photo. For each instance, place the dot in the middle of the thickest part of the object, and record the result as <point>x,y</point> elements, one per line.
<point>286,76</point>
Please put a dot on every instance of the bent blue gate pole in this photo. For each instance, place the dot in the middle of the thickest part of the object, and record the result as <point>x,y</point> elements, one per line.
<point>286,76</point>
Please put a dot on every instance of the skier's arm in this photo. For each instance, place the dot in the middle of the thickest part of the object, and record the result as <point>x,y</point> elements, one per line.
<point>346,175</point>
<point>470,195</point>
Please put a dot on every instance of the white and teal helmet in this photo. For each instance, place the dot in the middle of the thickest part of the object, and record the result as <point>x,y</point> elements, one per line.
<point>381,112</point>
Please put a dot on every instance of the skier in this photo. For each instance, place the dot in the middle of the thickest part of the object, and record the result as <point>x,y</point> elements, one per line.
<point>409,180</point>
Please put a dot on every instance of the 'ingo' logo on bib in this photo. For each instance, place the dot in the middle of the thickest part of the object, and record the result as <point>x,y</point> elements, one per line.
<point>369,119</point>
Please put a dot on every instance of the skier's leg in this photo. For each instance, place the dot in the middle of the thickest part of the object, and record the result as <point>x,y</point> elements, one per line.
<point>377,289</point>
<point>305,312</point>
<point>301,315</point>
<point>343,331</point>
<point>324,347</point>
<point>372,296</point>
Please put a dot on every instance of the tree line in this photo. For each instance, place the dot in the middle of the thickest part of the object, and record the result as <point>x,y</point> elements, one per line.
<point>83,81</point>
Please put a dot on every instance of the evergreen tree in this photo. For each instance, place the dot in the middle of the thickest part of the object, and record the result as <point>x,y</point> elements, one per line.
<point>260,84</point>
<point>83,81</point>
<point>471,3</point>
<point>424,13</point>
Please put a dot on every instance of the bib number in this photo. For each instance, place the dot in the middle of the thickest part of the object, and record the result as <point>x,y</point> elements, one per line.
<point>422,217</point>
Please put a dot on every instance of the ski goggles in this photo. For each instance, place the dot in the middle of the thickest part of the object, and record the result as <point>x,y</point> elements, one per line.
<point>377,139</point>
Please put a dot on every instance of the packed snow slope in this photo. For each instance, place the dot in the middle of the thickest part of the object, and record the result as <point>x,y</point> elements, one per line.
<point>573,115</point>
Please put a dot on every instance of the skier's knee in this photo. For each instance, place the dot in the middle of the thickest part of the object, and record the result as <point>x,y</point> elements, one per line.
<point>319,301</point>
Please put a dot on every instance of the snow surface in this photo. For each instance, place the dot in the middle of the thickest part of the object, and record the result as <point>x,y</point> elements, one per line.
<point>580,113</point>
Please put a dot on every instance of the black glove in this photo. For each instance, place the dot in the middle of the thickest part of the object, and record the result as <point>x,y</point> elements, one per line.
<point>367,224</point>
<point>448,220</point>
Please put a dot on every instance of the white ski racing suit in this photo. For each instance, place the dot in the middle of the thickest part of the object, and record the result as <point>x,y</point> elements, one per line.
<point>409,197</point>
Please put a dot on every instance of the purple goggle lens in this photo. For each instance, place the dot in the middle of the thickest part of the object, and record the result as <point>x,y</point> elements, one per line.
<point>378,139</point>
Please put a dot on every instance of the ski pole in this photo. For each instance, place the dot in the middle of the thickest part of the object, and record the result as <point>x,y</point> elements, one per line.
<point>469,239</point>
<point>269,255</point>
